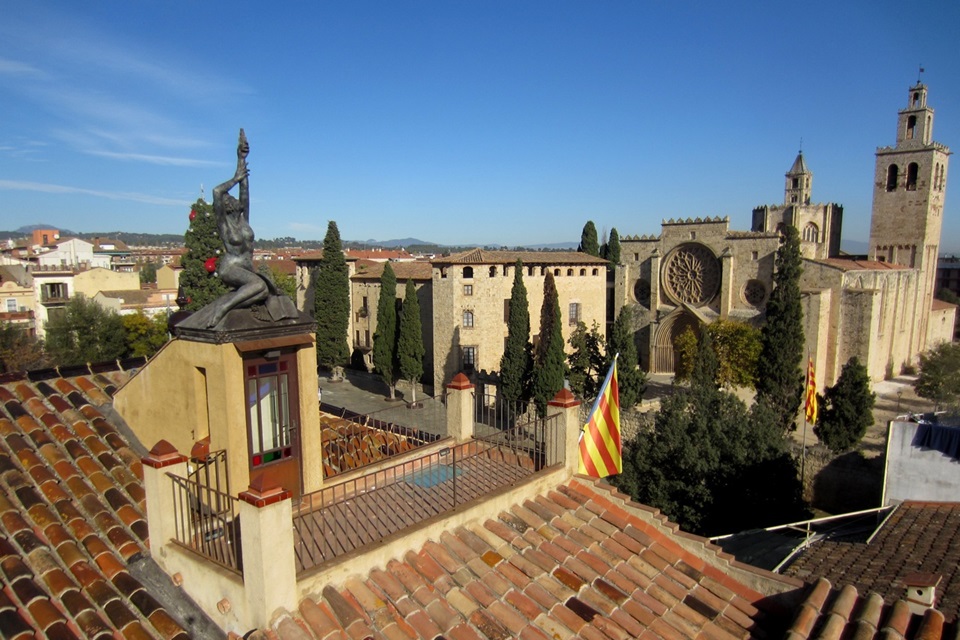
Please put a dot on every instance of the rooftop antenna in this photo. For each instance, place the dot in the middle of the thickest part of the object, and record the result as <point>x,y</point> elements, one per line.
<point>201,192</point>
<point>919,72</point>
<point>801,146</point>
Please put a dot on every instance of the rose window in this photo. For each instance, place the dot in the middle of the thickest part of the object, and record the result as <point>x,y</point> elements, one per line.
<point>754,292</point>
<point>691,274</point>
<point>641,291</point>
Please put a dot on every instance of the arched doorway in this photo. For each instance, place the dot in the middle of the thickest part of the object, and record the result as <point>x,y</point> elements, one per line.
<point>665,357</point>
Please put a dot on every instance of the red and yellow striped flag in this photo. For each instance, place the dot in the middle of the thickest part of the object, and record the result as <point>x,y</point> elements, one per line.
<point>600,449</point>
<point>810,407</point>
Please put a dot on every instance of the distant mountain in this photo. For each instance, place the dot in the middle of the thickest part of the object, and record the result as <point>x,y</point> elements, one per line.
<point>855,247</point>
<point>30,228</point>
<point>555,246</point>
<point>394,244</point>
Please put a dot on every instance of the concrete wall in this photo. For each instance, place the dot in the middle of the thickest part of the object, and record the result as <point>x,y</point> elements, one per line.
<point>917,474</point>
<point>93,281</point>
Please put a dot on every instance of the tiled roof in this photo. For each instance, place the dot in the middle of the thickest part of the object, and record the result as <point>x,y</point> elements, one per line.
<point>348,445</point>
<point>71,517</point>
<point>485,256</point>
<point>415,270</point>
<point>918,536</point>
<point>843,613</point>
<point>938,304</point>
<point>578,561</point>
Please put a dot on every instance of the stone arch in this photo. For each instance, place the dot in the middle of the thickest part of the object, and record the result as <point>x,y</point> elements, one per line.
<point>664,356</point>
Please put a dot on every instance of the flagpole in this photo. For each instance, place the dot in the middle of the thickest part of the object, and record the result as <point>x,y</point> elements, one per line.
<point>803,446</point>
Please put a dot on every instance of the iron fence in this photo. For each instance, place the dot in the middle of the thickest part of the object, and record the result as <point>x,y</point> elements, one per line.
<point>207,521</point>
<point>362,511</point>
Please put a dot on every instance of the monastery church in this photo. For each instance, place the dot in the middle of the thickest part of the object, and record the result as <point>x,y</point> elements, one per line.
<point>879,308</point>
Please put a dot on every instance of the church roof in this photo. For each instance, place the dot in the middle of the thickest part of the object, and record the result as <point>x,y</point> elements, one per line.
<point>799,166</point>
<point>853,264</point>
<point>372,270</point>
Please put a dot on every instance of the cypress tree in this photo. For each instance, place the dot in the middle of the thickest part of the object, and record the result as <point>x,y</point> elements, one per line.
<point>780,383</point>
<point>410,342</point>
<point>516,364</point>
<point>847,410</point>
<point>632,381</point>
<point>589,242</point>
<point>548,358</point>
<point>613,247</point>
<point>202,241</point>
<point>385,337</point>
<point>332,303</point>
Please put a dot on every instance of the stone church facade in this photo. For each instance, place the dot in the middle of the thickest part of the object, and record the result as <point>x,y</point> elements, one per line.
<point>879,308</point>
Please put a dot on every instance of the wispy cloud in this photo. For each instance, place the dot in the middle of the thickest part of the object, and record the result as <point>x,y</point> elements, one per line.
<point>166,161</point>
<point>43,187</point>
<point>16,68</point>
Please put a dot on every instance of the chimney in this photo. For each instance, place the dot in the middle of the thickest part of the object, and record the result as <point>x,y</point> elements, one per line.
<point>921,590</point>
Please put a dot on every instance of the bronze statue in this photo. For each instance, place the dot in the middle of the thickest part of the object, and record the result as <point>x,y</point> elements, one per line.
<point>235,266</point>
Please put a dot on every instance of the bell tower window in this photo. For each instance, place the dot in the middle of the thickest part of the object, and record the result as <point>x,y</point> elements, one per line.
<point>893,175</point>
<point>912,170</point>
<point>911,126</point>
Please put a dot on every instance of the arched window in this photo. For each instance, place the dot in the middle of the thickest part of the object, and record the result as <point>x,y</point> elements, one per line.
<point>569,272</point>
<point>911,126</point>
<point>912,170</point>
<point>556,272</point>
<point>467,319</point>
<point>583,272</point>
<point>811,232</point>
<point>493,271</point>
<point>468,272</point>
<point>893,176</point>
<point>916,98</point>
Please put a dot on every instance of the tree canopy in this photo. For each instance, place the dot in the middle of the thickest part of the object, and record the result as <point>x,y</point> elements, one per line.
<point>587,362</point>
<point>516,364</point>
<point>709,463</point>
<point>19,351</point>
<point>847,409</point>
<point>589,241</point>
<point>613,247</point>
<point>203,243</point>
<point>548,357</point>
<point>736,346</point>
<point>410,349</point>
<point>332,302</point>
<point>82,332</point>
<point>632,381</point>
<point>385,336</point>
<point>144,335</point>
<point>939,376</point>
<point>781,355</point>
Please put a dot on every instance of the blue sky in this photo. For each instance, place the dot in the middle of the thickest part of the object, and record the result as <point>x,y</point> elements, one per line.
<point>466,122</point>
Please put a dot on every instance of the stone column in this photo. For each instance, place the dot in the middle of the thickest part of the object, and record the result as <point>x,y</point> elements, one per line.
<point>564,446</point>
<point>269,564</point>
<point>460,408</point>
<point>726,283</point>
<point>163,459</point>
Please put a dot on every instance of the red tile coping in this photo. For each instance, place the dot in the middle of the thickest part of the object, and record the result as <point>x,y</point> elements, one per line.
<point>163,454</point>
<point>460,382</point>
<point>564,399</point>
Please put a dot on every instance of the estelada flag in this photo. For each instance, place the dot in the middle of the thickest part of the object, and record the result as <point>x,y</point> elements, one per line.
<point>600,449</point>
<point>810,407</point>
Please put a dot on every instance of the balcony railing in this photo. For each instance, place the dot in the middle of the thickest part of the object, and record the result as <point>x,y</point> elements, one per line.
<point>207,522</point>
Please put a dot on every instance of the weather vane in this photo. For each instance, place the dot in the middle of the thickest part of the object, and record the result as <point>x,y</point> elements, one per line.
<point>801,145</point>
<point>920,72</point>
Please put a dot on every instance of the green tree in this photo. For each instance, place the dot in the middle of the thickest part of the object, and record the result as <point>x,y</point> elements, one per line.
<point>736,345</point>
<point>588,239</point>
<point>19,351</point>
<point>410,348</point>
<point>781,355</point>
<point>613,247</point>
<point>847,409</point>
<point>516,364</point>
<point>709,463</point>
<point>148,273</point>
<point>548,357</point>
<point>332,303</point>
<point>587,361</point>
<point>286,283</point>
<point>385,337</point>
<point>202,242</point>
<point>939,375</point>
<point>632,382</point>
<point>948,296</point>
<point>144,335</point>
<point>84,332</point>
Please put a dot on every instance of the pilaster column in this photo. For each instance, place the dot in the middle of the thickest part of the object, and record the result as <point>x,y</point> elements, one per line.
<point>460,408</point>
<point>269,564</point>
<point>162,460</point>
<point>566,442</point>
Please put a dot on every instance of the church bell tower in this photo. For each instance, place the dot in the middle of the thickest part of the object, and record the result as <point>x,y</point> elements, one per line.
<point>908,194</point>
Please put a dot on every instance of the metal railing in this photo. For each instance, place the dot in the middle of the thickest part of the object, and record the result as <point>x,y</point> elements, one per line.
<point>207,521</point>
<point>517,424</point>
<point>362,511</point>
